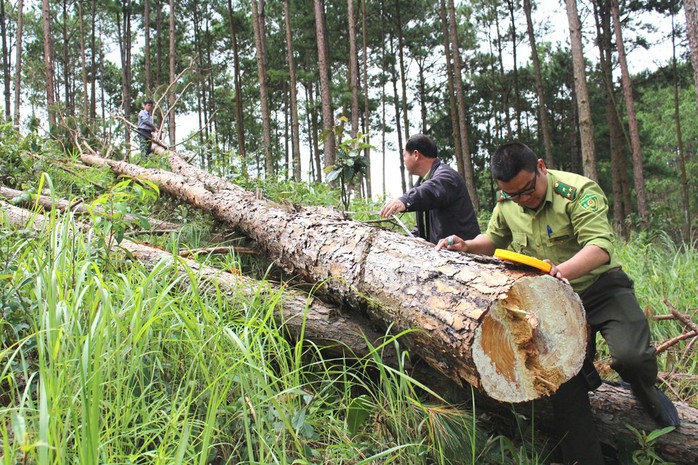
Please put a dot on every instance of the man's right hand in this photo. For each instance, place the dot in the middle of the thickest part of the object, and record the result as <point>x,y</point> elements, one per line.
<point>391,207</point>
<point>454,243</point>
<point>481,244</point>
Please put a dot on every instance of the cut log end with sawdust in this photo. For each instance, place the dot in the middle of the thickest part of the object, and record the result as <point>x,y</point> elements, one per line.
<point>531,340</point>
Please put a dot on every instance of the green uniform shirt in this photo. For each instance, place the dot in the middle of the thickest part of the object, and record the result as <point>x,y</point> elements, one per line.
<point>572,216</point>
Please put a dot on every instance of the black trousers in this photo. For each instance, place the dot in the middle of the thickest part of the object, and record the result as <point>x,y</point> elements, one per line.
<point>612,310</point>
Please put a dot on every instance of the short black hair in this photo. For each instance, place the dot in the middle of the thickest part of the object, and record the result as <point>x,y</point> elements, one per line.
<point>509,159</point>
<point>149,101</point>
<point>423,143</point>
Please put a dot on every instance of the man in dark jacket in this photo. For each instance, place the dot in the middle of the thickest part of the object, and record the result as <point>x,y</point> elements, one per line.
<point>440,196</point>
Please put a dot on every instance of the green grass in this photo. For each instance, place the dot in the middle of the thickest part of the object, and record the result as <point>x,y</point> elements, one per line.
<point>116,364</point>
<point>665,276</point>
<point>103,361</point>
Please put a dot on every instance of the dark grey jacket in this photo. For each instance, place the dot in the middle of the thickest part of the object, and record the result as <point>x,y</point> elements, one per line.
<point>442,204</point>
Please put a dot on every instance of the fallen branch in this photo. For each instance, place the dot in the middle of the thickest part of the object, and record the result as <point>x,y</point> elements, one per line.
<point>48,203</point>
<point>62,167</point>
<point>218,250</point>
<point>674,340</point>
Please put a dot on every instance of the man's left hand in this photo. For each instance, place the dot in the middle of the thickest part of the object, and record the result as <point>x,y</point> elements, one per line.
<point>556,273</point>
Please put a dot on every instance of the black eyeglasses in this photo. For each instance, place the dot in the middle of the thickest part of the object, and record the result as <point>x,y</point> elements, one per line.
<point>530,188</point>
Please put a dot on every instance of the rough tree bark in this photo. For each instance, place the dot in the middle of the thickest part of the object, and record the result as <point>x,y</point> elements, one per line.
<point>18,61</point>
<point>323,63</point>
<point>172,97</point>
<point>462,122</point>
<point>341,334</point>
<point>239,116</point>
<point>48,63</point>
<point>451,90</point>
<point>515,334</point>
<point>293,91</point>
<point>5,61</point>
<point>638,171</point>
<point>586,126</point>
<point>540,88</point>
<point>258,24</point>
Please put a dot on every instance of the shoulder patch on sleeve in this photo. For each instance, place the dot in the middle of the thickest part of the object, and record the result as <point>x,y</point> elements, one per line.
<point>502,196</point>
<point>565,190</point>
<point>589,202</point>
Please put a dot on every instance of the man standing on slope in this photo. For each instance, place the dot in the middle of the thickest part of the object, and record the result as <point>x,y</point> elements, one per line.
<point>145,129</point>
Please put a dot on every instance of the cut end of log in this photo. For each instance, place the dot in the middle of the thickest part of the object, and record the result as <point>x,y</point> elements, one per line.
<point>531,340</point>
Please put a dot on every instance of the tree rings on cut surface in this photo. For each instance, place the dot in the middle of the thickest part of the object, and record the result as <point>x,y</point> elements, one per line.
<point>531,340</point>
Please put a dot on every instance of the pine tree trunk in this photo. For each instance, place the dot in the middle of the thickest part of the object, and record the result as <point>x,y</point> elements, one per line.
<point>295,124</point>
<point>239,116</point>
<point>422,93</point>
<point>602,14</point>
<point>396,105</point>
<point>93,62</point>
<point>201,106</point>
<point>514,334</point>
<point>634,130</point>
<point>586,125</point>
<point>159,36</point>
<point>503,79</point>
<point>403,77</point>
<point>50,203</point>
<point>5,62</point>
<point>685,187</point>
<point>367,108</point>
<point>462,116</point>
<point>353,69</point>
<point>325,82</point>
<point>124,36</point>
<point>314,130</point>
<point>83,66</point>
<point>260,46</point>
<point>515,70</point>
<point>146,49</point>
<point>67,72</point>
<point>540,89</point>
<point>18,61</point>
<point>48,63</point>
<point>451,92</point>
<point>172,98</point>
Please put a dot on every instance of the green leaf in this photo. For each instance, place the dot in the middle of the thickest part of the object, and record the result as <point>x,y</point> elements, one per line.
<point>332,175</point>
<point>656,434</point>
<point>143,221</point>
<point>359,410</point>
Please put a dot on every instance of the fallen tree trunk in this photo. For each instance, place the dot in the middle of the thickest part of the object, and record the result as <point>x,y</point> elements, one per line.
<point>326,325</point>
<point>299,314</point>
<point>515,334</point>
<point>47,203</point>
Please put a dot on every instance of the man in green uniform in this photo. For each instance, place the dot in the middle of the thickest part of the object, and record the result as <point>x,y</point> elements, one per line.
<point>562,217</point>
